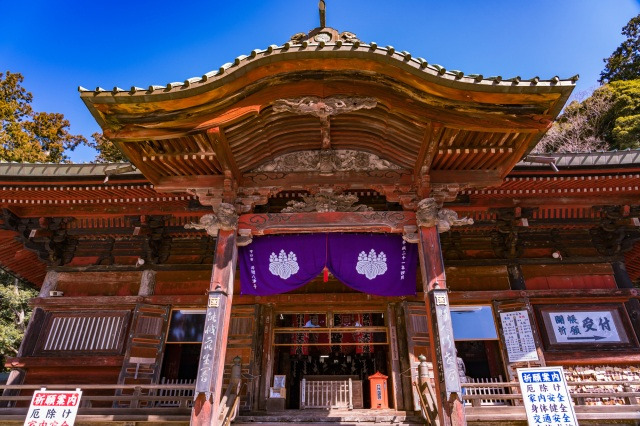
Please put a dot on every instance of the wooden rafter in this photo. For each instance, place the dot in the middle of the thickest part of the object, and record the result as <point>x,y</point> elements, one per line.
<point>223,152</point>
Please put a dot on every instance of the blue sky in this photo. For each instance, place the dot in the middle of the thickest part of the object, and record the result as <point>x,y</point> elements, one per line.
<point>60,45</point>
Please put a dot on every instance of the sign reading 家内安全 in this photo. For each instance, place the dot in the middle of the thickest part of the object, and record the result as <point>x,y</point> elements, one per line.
<point>546,396</point>
<point>53,408</point>
<point>518,336</point>
<point>584,327</point>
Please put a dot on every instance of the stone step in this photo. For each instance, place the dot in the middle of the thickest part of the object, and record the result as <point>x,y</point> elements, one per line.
<point>236,422</point>
<point>330,417</point>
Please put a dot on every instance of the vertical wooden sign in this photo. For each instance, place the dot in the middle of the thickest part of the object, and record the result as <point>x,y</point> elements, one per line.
<point>216,306</point>
<point>445,346</point>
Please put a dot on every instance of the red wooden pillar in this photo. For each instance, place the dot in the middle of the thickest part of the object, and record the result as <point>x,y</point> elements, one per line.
<point>450,406</point>
<point>214,341</point>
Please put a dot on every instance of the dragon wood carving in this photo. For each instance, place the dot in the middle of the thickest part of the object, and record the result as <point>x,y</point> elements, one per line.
<point>324,107</point>
<point>429,214</point>
<point>224,218</point>
<point>326,202</point>
<point>339,160</point>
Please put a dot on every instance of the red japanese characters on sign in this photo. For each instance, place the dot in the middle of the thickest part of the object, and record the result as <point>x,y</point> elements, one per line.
<point>53,408</point>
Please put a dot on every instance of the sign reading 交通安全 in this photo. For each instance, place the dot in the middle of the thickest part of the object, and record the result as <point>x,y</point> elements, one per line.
<point>584,327</point>
<point>518,336</point>
<point>546,396</point>
<point>53,408</point>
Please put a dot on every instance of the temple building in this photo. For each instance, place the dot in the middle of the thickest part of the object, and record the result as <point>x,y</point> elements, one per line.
<point>327,230</point>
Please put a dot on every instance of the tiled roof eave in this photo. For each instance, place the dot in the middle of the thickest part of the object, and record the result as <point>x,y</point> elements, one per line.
<point>195,85</point>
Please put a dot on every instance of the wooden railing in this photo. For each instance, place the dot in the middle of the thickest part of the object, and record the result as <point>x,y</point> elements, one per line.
<point>101,402</point>
<point>326,394</point>
<point>173,391</point>
<point>598,403</point>
<point>491,393</point>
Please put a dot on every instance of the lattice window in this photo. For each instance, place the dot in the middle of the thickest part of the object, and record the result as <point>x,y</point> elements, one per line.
<point>95,332</point>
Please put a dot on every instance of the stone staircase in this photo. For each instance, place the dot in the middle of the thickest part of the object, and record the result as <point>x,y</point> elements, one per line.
<point>329,417</point>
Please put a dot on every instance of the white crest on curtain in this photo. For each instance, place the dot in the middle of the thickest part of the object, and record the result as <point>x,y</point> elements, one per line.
<point>283,265</point>
<point>371,265</point>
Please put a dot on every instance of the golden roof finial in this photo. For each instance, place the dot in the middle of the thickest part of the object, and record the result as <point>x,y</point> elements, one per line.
<point>323,17</point>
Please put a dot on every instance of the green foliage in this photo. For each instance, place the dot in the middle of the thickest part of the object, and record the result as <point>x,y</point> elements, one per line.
<point>29,136</point>
<point>625,114</point>
<point>583,126</point>
<point>624,62</point>
<point>107,151</point>
<point>608,119</point>
<point>14,313</point>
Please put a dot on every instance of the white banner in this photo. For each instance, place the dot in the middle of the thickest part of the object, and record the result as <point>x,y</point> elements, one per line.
<point>53,408</point>
<point>546,397</point>
<point>518,336</point>
<point>584,327</point>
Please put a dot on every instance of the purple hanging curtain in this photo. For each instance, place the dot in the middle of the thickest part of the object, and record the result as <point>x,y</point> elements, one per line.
<point>281,263</point>
<point>380,264</point>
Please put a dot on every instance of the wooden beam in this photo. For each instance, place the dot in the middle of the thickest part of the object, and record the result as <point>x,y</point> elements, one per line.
<point>521,146</point>
<point>181,183</point>
<point>223,152</point>
<point>349,180</point>
<point>550,200</point>
<point>287,223</point>
<point>467,178</point>
<point>428,148</point>
<point>67,361</point>
<point>164,129</point>
<point>294,180</point>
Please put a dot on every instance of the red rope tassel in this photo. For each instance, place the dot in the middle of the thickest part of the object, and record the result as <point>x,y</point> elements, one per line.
<point>325,272</point>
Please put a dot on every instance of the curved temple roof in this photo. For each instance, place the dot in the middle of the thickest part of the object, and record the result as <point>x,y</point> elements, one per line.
<point>328,91</point>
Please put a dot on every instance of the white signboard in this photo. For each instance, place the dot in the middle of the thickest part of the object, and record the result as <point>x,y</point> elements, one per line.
<point>53,408</point>
<point>546,397</point>
<point>518,337</point>
<point>584,327</point>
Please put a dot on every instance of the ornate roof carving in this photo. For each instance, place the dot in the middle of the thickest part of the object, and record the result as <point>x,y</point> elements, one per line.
<point>339,160</point>
<point>326,202</point>
<point>324,107</point>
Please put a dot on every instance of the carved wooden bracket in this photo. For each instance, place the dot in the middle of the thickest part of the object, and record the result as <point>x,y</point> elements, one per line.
<point>506,239</point>
<point>430,214</point>
<point>225,218</point>
<point>617,232</point>
<point>245,237</point>
<point>45,236</point>
<point>410,234</point>
<point>444,193</point>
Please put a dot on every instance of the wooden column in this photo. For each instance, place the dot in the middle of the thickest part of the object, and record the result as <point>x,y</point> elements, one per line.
<point>516,280</point>
<point>216,329</point>
<point>147,283</point>
<point>396,373</point>
<point>450,406</point>
<point>49,284</point>
<point>633,305</point>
